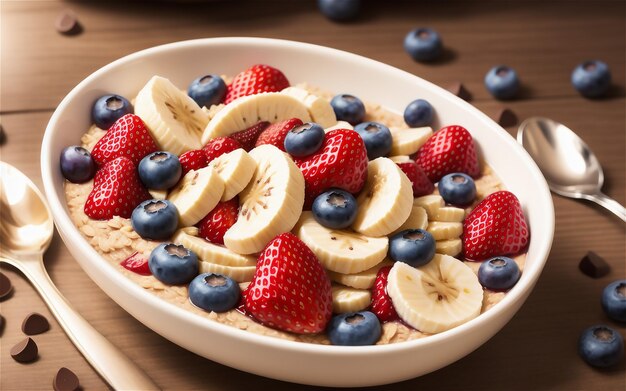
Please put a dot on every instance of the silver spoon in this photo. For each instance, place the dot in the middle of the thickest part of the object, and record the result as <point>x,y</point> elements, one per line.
<point>568,164</point>
<point>25,232</point>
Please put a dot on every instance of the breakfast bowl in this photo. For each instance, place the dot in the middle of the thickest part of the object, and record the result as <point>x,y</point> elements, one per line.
<point>330,70</point>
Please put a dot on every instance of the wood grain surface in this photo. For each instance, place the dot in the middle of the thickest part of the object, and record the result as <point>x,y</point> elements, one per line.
<point>543,40</point>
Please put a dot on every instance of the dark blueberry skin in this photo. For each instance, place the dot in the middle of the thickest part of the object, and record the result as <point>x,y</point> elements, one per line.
<point>339,10</point>
<point>377,139</point>
<point>304,140</point>
<point>614,300</point>
<point>415,247</point>
<point>354,329</point>
<point>155,219</point>
<point>601,346</point>
<point>108,109</point>
<point>173,264</point>
<point>160,170</point>
<point>348,108</point>
<point>423,44</point>
<point>77,165</point>
<point>502,82</point>
<point>457,189</point>
<point>207,90</point>
<point>418,113</point>
<point>335,208</point>
<point>214,292</point>
<point>498,273</point>
<point>592,78</point>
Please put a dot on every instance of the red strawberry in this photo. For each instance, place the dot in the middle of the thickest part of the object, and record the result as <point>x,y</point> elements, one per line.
<point>421,184</point>
<point>137,263</point>
<point>247,138</point>
<point>496,226</point>
<point>116,191</point>
<point>290,290</point>
<point>215,224</point>
<point>128,137</point>
<point>192,160</point>
<point>341,162</point>
<point>451,149</point>
<point>254,80</point>
<point>275,133</point>
<point>219,146</point>
<point>382,306</point>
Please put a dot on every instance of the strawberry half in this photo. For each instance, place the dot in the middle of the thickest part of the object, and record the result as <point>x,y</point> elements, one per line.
<point>450,149</point>
<point>116,191</point>
<point>215,224</point>
<point>290,290</point>
<point>495,227</point>
<point>137,263</point>
<point>254,80</point>
<point>128,137</point>
<point>219,146</point>
<point>382,306</point>
<point>275,133</point>
<point>192,160</point>
<point>421,184</point>
<point>247,138</point>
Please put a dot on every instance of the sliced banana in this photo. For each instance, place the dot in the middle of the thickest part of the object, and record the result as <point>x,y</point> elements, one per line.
<point>449,214</point>
<point>271,204</point>
<point>319,109</point>
<point>213,253</point>
<point>339,125</point>
<point>236,169</point>
<point>385,201</point>
<point>450,247</point>
<point>175,121</point>
<point>361,280</point>
<point>237,273</point>
<point>418,219</point>
<point>400,159</point>
<point>431,203</point>
<point>435,297</point>
<point>346,299</point>
<point>158,194</point>
<point>408,141</point>
<point>445,230</point>
<point>341,251</point>
<point>196,195</point>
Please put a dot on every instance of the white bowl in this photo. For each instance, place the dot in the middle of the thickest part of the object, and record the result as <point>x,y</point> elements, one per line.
<point>335,71</point>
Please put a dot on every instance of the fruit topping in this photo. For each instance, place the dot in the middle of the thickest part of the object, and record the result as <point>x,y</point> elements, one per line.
<point>418,113</point>
<point>457,189</point>
<point>137,263</point>
<point>382,306</point>
<point>421,184</point>
<point>348,108</point>
<point>592,78</point>
<point>214,292</point>
<point>127,137</point>
<point>236,169</point>
<point>601,346</point>
<point>155,219</point>
<point>77,165</point>
<point>255,80</point>
<point>219,146</point>
<point>160,170</point>
<point>276,133</point>
<point>423,44</point>
<point>108,109</point>
<point>196,195</point>
<point>215,224</point>
<point>377,139</point>
<point>192,160</point>
<point>614,300</point>
<point>173,264</point>
<point>207,90</point>
<point>498,274</point>
<point>304,140</point>
<point>335,209</point>
<point>247,137</point>
<point>502,82</point>
<point>348,299</point>
<point>415,247</point>
<point>354,329</point>
<point>319,108</point>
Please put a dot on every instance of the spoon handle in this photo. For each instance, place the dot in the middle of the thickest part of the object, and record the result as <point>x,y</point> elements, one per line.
<point>609,203</point>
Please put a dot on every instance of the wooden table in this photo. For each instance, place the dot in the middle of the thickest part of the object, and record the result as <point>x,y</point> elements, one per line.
<point>543,40</point>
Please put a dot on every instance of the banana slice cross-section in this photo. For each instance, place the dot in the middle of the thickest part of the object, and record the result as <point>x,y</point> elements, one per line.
<point>445,230</point>
<point>236,169</point>
<point>361,280</point>
<point>319,108</point>
<point>339,125</point>
<point>449,214</point>
<point>450,247</point>
<point>346,299</point>
<point>408,141</point>
<point>418,219</point>
<point>431,203</point>
<point>196,194</point>
<point>213,253</point>
<point>237,273</point>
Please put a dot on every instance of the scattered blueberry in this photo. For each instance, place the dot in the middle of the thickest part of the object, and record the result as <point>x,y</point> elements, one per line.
<point>418,113</point>
<point>108,109</point>
<point>160,170</point>
<point>304,140</point>
<point>498,273</point>
<point>339,10</point>
<point>377,139</point>
<point>354,329</point>
<point>348,108</point>
<point>77,165</point>
<point>601,346</point>
<point>413,246</point>
<point>335,208</point>
<point>502,82</point>
<point>173,264</point>
<point>592,78</point>
<point>423,44</point>
<point>214,292</point>
<point>614,300</point>
<point>457,189</point>
<point>155,219</point>
<point>207,90</point>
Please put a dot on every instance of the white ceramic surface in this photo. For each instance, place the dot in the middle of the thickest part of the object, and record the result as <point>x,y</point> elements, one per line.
<point>335,71</point>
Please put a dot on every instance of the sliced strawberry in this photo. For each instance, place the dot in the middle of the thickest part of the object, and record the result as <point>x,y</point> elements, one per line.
<point>290,290</point>
<point>192,160</point>
<point>247,138</point>
<point>496,226</point>
<point>254,80</point>
<point>219,146</point>
<point>382,306</point>
<point>275,133</point>
<point>137,263</point>
<point>421,184</point>
<point>215,224</point>
<point>128,137</point>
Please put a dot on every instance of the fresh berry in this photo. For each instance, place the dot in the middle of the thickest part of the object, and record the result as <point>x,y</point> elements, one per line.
<point>496,226</point>
<point>377,139</point>
<point>348,108</point>
<point>457,189</point>
<point>127,137</point>
<point>214,292</point>
<point>339,10</point>
<point>418,113</point>
<point>247,137</point>
<point>415,247</point>
<point>275,133</point>
<point>290,290</point>
<point>116,191</point>
<point>137,263</point>
<point>192,160</point>
<point>218,147</point>
<point>77,165</point>
<point>215,224</point>
<point>614,300</point>
<point>207,90</point>
<point>335,209</point>
<point>421,184</point>
<point>502,82</point>
<point>592,78</point>
<point>155,219</point>
<point>304,140</point>
<point>108,109</point>
<point>160,170</point>
<point>354,329</point>
<point>498,274</point>
<point>450,149</point>
<point>382,306</point>
<point>423,44</point>
<point>601,346</point>
<point>173,264</point>
<point>254,80</point>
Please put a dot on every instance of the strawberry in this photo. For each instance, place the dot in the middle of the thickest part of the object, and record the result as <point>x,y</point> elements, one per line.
<point>219,146</point>
<point>254,80</point>
<point>495,227</point>
<point>290,290</point>
<point>450,149</point>
<point>116,191</point>
<point>215,224</point>
<point>382,306</point>
<point>421,184</point>
<point>137,263</point>
<point>341,162</point>
<point>247,138</point>
<point>128,137</point>
<point>192,160</point>
<point>275,133</point>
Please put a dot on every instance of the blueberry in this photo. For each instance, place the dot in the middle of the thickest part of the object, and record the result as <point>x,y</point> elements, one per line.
<point>377,139</point>
<point>457,189</point>
<point>614,300</point>
<point>339,10</point>
<point>423,44</point>
<point>304,140</point>
<point>601,346</point>
<point>155,219</point>
<point>108,109</point>
<point>592,78</point>
<point>348,108</point>
<point>502,82</point>
<point>413,246</point>
<point>214,292</point>
<point>498,273</point>
<point>207,90</point>
<point>160,170</point>
<point>77,165</point>
<point>354,329</point>
<point>418,113</point>
<point>173,264</point>
<point>335,209</point>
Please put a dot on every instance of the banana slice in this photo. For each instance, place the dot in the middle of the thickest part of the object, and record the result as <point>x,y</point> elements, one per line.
<point>319,109</point>
<point>435,297</point>
<point>175,121</point>
<point>361,280</point>
<point>196,195</point>
<point>271,203</point>
<point>450,247</point>
<point>450,214</point>
<point>236,169</point>
<point>431,203</point>
<point>385,201</point>
<point>341,251</point>
<point>158,194</point>
<point>418,219</point>
<point>213,253</point>
<point>400,158</point>
<point>248,110</point>
<point>237,273</point>
<point>339,125</point>
<point>445,230</point>
<point>408,141</point>
<point>346,299</point>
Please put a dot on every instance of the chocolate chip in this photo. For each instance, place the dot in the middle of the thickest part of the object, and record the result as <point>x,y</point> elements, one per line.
<point>3,137</point>
<point>65,380</point>
<point>67,23</point>
<point>458,89</point>
<point>25,351</point>
<point>5,286</point>
<point>1,325</point>
<point>594,265</point>
<point>35,323</point>
<point>505,117</point>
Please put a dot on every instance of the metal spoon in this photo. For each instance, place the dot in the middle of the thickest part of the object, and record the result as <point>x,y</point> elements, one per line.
<point>568,164</point>
<point>25,232</point>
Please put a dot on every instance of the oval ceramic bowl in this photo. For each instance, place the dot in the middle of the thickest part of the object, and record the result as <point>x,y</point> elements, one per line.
<point>335,71</point>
